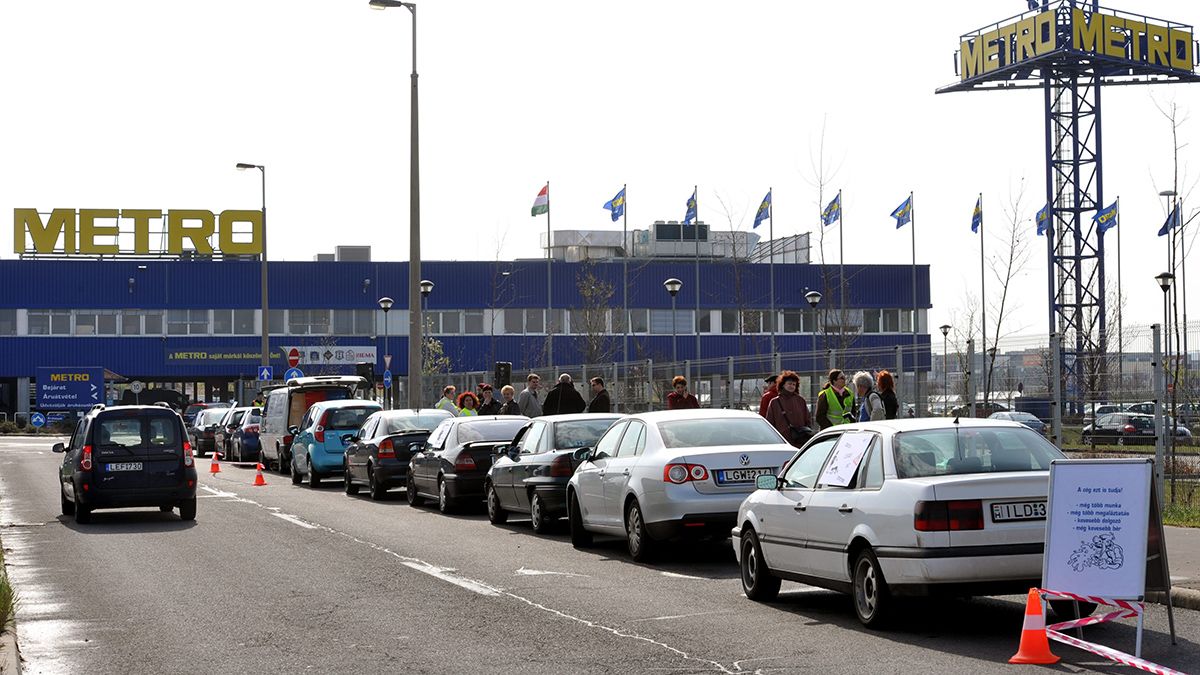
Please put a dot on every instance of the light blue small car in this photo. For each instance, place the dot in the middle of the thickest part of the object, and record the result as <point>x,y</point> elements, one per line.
<point>318,448</point>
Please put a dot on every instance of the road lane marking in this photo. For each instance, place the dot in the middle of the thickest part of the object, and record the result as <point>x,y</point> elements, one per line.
<point>540,573</point>
<point>681,616</point>
<point>447,574</point>
<point>296,521</point>
<point>675,575</point>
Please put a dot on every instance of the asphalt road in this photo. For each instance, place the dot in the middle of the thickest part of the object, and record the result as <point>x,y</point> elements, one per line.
<point>287,579</point>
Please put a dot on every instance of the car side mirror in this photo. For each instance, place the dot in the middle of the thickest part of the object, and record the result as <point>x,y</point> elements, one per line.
<point>583,455</point>
<point>58,447</point>
<point>500,450</point>
<point>294,430</point>
<point>414,448</point>
<point>767,482</point>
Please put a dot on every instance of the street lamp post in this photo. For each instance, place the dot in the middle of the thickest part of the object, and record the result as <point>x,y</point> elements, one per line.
<point>1165,281</point>
<point>414,222</point>
<point>673,285</point>
<point>424,287</point>
<point>265,359</point>
<point>945,328</point>
<point>814,298</point>
<point>385,303</point>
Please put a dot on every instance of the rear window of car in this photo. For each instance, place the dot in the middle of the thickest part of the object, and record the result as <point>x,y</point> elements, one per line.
<point>490,430</point>
<point>137,431</point>
<point>940,452</point>
<point>396,425</point>
<point>194,408</point>
<point>349,418</point>
<point>703,433</point>
<point>210,416</point>
<point>580,434</point>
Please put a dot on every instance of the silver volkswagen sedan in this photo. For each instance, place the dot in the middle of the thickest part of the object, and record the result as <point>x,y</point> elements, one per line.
<point>669,474</point>
<point>901,507</point>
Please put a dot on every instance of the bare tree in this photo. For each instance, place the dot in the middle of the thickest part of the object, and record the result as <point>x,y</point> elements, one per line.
<point>1006,266</point>
<point>590,321</point>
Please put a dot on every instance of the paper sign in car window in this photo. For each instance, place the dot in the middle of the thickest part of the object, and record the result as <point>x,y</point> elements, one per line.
<point>846,457</point>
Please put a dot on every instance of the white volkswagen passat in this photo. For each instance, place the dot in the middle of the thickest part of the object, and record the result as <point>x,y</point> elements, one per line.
<point>663,475</point>
<point>902,507</point>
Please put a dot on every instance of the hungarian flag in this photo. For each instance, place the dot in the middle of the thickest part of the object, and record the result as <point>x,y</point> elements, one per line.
<point>542,203</point>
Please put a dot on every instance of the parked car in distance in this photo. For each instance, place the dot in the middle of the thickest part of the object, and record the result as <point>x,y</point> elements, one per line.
<point>244,439</point>
<point>530,475</point>
<point>223,434</point>
<point>127,456</point>
<point>982,410</point>
<point>378,454</point>
<point>1188,413</point>
<point>319,448</point>
<point>901,507</point>
<point>203,431</point>
<point>1093,410</point>
<point>453,464</point>
<point>193,409</point>
<point>670,474</point>
<point>1120,429</point>
<point>285,407</point>
<point>1028,419</point>
<point>1143,408</point>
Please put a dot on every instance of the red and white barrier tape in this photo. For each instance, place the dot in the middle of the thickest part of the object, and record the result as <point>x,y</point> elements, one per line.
<point>1094,599</point>
<point>1127,609</point>
<point>1089,620</point>
<point>1112,654</point>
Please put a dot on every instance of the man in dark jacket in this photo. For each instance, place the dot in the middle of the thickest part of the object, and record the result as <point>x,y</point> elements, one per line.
<point>563,399</point>
<point>488,405</point>
<point>600,402</point>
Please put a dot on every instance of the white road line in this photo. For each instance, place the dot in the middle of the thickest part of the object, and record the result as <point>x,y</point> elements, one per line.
<point>680,616</point>
<point>446,574</point>
<point>524,572</point>
<point>675,575</point>
<point>296,521</point>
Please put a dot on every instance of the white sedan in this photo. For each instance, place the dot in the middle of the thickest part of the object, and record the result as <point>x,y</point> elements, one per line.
<point>901,507</point>
<point>669,474</point>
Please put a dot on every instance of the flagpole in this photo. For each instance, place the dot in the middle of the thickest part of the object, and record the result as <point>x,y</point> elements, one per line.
<point>625,269</point>
<point>983,309</point>
<point>912,216</point>
<point>1120,312</point>
<point>549,289</point>
<point>841,261</point>
<point>696,319</point>
<point>771,217</point>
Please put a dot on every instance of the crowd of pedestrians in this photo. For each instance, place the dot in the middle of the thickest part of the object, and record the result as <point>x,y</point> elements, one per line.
<point>561,399</point>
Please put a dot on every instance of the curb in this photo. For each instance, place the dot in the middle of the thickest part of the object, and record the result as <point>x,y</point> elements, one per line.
<point>10,656</point>
<point>1181,598</point>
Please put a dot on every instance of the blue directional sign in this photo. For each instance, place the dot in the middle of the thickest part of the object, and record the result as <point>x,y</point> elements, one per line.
<point>387,379</point>
<point>69,387</point>
<point>292,373</point>
<point>38,420</point>
<point>266,373</point>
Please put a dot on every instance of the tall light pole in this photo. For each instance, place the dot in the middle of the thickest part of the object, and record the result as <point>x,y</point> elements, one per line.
<point>814,298</point>
<point>673,285</point>
<point>265,360</point>
<point>414,223</point>
<point>424,287</point>
<point>945,328</point>
<point>1165,280</point>
<point>385,303</point>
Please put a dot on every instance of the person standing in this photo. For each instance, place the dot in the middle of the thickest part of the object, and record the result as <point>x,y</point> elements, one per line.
<point>527,400</point>
<point>887,393</point>
<point>870,406</point>
<point>680,398</point>
<point>487,404</point>
<point>447,401</point>
<point>467,404</point>
<point>788,411</point>
<point>600,402</point>
<point>769,394</point>
<point>835,405</point>
<point>508,406</point>
<point>563,399</point>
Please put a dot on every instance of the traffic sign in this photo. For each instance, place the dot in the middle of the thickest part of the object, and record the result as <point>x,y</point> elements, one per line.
<point>69,387</point>
<point>293,358</point>
<point>137,386</point>
<point>387,361</point>
<point>266,373</point>
<point>387,379</point>
<point>292,373</point>
<point>38,420</point>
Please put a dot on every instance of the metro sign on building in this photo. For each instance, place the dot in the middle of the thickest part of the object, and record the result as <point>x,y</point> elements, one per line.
<point>127,231</point>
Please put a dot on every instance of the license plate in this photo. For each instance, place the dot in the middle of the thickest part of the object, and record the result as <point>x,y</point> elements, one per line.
<point>124,466</point>
<point>1010,511</point>
<point>740,475</point>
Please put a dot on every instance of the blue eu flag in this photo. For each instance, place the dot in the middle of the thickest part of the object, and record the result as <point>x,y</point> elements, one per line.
<point>616,205</point>
<point>1043,219</point>
<point>764,210</point>
<point>833,211</point>
<point>690,216</point>
<point>977,216</point>
<point>1172,221</point>
<point>903,213</point>
<point>1106,219</point>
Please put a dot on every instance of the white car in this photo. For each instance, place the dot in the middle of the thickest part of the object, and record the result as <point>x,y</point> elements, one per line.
<point>901,507</point>
<point>670,474</point>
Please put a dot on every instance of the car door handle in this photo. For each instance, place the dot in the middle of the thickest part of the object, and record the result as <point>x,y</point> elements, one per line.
<point>601,472</point>
<point>625,472</point>
<point>800,507</point>
<point>845,509</point>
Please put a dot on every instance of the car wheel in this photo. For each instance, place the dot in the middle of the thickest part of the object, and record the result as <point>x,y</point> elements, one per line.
<point>757,581</point>
<point>1065,609</point>
<point>640,543</point>
<point>351,486</point>
<point>187,510</point>
<point>237,452</point>
<point>378,491</point>
<point>871,599</point>
<point>445,504</point>
<point>83,514</point>
<point>1086,439</point>
<point>410,492</point>
<point>314,478</point>
<point>537,514</point>
<point>68,507</point>
<point>496,512</point>
<point>580,538</point>
<point>285,462</point>
<point>297,477</point>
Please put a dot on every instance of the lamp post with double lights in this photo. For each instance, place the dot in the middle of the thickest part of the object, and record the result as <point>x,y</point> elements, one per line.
<point>1165,281</point>
<point>945,328</point>
<point>265,360</point>
<point>673,285</point>
<point>425,287</point>
<point>414,222</point>
<point>385,303</point>
<point>813,298</point>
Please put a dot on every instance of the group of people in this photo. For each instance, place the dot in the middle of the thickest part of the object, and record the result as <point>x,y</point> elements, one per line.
<point>561,399</point>
<point>782,404</point>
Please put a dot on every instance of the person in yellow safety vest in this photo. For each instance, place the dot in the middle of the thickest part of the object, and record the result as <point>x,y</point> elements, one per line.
<point>835,405</point>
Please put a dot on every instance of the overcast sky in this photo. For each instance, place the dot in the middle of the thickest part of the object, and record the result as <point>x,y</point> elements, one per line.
<point>149,104</point>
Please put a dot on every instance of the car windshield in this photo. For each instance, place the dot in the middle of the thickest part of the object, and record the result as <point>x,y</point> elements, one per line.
<point>409,422</point>
<point>490,430</point>
<point>210,416</point>
<point>348,418</point>
<point>1024,417</point>
<point>580,433</point>
<point>703,433</point>
<point>939,452</point>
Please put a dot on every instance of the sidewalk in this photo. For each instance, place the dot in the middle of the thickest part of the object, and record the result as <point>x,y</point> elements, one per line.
<point>1183,555</point>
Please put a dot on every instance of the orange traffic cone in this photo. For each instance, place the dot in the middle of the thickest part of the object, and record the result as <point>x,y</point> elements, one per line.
<point>216,466</point>
<point>1035,647</point>
<point>258,478</point>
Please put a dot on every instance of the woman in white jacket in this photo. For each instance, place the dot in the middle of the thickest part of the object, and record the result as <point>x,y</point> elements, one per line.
<point>870,406</point>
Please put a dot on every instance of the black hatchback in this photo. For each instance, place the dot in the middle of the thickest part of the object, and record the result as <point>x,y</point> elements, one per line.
<point>127,456</point>
<point>1121,429</point>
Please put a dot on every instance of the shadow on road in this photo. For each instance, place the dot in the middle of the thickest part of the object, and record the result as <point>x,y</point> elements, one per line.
<point>130,522</point>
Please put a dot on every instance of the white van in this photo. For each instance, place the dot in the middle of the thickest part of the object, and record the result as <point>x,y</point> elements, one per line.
<point>285,407</point>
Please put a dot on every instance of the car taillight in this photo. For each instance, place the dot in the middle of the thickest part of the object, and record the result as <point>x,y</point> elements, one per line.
<point>386,449</point>
<point>464,463</point>
<point>287,439</point>
<point>1128,428</point>
<point>319,432</point>
<point>187,454</point>
<point>957,515</point>
<point>682,473</point>
<point>250,429</point>
<point>562,467</point>
<point>85,460</point>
